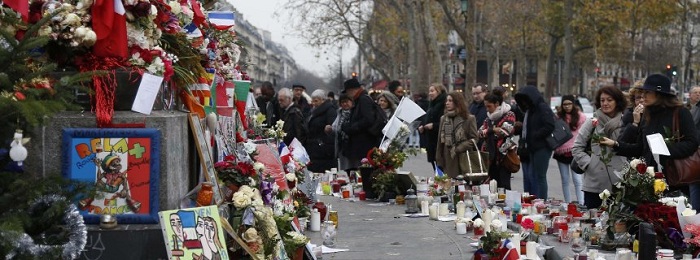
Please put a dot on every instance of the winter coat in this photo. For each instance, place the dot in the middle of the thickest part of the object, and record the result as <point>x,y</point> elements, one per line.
<point>597,177</point>
<point>446,155</point>
<point>361,118</point>
<point>293,125</point>
<point>479,111</point>
<point>660,117</point>
<point>502,118</point>
<point>319,144</point>
<point>436,109</point>
<point>565,149</point>
<point>540,119</point>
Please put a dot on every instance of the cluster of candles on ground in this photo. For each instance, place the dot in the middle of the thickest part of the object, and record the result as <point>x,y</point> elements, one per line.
<point>478,209</point>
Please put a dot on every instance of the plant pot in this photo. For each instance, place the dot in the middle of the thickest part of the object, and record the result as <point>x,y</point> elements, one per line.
<point>387,195</point>
<point>299,253</point>
<point>367,181</point>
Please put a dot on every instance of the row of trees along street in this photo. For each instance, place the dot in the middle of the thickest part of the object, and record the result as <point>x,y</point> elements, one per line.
<point>408,39</point>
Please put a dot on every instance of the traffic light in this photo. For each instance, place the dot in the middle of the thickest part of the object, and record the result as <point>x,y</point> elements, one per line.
<point>674,70</point>
<point>669,73</point>
<point>354,74</point>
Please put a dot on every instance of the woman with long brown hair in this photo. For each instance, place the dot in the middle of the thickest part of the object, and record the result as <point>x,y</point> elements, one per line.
<point>456,134</point>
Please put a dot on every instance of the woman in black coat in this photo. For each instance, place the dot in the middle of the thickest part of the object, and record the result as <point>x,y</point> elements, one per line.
<point>320,143</point>
<point>656,115</point>
<point>431,120</point>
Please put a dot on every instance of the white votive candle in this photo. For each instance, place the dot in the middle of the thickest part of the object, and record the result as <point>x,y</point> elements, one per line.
<point>433,211</point>
<point>444,209</point>
<point>461,228</point>
<point>424,205</point>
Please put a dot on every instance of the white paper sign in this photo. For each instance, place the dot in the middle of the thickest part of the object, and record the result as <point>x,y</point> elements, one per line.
<point>484,190</point>
<point>146,95</point>
<point>512,197</point>
<point>408,110</point>
<point>657,144</point>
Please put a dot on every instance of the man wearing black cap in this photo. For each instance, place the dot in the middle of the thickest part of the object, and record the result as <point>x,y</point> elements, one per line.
<point>362,117</point>
<point>299,99</point>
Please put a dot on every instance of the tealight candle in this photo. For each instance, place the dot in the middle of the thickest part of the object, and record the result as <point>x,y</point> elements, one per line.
<point>444,209</point>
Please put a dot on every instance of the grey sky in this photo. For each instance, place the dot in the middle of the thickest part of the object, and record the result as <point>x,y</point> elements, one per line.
<point>261,14</point>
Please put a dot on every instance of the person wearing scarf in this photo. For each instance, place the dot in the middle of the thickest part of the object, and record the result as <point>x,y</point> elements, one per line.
<point>431,120</point>
<point>599,173</point>
<point>574,118</point>
<point>497,127</point>
<point>457,130</point>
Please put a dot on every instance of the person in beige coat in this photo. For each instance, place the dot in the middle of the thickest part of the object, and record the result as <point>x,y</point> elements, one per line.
<point>457,130</point>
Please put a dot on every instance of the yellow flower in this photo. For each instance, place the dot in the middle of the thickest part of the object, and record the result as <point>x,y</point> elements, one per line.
<point>659,186</point>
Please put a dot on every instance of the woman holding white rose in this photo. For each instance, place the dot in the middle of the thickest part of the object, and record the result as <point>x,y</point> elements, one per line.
<point>601,165</point>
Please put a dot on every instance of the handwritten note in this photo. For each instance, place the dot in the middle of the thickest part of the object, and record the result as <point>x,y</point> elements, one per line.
<point>146,95</point>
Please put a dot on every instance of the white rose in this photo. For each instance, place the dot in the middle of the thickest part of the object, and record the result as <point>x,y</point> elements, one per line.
<point>688,212</point>
<point>291,176</point>
<point>250,147</point>
<point>175,7</point>
<point>259,166</point>
<point>250,235</point>
<point>71,20</point>
<point>279,124</point>
<point>633,163</point>
<point>246,190</point>
<point>478,222</point>
<point>604,195</point>
<point>240,200</point>
<point>496,224</point>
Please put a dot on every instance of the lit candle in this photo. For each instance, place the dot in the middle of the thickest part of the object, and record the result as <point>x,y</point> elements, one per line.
<point>531,248</point>
<point>488,217</point>
<point>433,211</point>
<point>315,220</point>
<point>461,208</point>
<point>444,209</point>
<point>515,239</point>
<point>461,228</point>
<point>424,205</point>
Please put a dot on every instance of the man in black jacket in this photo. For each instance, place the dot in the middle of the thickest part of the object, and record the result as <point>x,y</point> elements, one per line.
<point>537,125</point>
<point>360,141</point>
<point>292,117</point>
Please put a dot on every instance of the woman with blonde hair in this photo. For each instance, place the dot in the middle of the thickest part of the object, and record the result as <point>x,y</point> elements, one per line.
<point>456,135</point>
<point>431,121</point>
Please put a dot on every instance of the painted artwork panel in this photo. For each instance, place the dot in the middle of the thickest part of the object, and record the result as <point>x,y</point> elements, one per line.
<point>123,166</point>
<point>193,233</point>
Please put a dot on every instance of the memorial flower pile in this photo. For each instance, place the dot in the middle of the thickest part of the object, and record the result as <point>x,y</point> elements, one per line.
<point>635,199</point>
<point>231,171</point>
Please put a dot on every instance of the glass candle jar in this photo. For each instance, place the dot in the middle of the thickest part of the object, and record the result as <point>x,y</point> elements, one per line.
<point>328,232</point>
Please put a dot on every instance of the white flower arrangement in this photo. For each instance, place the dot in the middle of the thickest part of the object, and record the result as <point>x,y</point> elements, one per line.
<point>250,147</point>
<point>688,212</point>
<point>241,200</point>
<point>634,163</point>
<point>297,238</point>
<point>478,223</point>
<point>604,195</point>
<point>496,224</point>
<point>259,166</point>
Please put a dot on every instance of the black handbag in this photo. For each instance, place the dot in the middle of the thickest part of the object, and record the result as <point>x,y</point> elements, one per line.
<point>560,135</point>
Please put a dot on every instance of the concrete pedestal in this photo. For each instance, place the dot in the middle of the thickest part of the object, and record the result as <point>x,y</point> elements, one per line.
<point>176,156</point>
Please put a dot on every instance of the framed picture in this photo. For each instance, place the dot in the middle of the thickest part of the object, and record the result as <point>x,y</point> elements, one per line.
<point>205,157</point>
<point>124,165</point>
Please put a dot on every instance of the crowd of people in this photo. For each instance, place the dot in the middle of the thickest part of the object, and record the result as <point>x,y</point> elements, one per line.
<point>335,132</point>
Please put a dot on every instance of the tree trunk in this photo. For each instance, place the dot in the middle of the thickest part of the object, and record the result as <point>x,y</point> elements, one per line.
<point>434,58</point>
<point>568,49</point>
<point>549,85</point>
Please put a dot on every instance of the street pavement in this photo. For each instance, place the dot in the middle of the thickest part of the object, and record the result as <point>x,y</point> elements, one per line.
<point>374,230</point>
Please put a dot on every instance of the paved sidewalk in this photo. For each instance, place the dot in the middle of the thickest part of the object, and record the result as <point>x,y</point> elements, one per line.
<point>373,230</point>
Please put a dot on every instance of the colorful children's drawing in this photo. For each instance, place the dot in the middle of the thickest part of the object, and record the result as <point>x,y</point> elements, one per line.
<point>123,166</point>
<point>194,233</point>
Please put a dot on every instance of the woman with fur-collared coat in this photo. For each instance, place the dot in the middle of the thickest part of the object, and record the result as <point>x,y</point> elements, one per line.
<point>457,130</point>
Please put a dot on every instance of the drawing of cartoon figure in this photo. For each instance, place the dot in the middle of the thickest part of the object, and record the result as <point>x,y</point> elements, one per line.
<point>207,233</point>
<point>179,235</point>
<point>111,180</point>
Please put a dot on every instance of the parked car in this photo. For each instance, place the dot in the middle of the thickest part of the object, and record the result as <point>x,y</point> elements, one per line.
<point>586,106</point>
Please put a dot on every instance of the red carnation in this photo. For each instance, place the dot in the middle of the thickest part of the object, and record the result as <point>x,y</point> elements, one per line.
<point>20,96</point>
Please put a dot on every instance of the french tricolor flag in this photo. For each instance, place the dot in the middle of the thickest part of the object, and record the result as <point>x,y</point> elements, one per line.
<point>222,20</point>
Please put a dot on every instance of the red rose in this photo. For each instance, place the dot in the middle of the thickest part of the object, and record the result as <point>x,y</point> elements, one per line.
<point>641,167</point>
<point>19,95</point>
<point>659,175</point>
<point>594,122</point>
<point>527,223</point>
